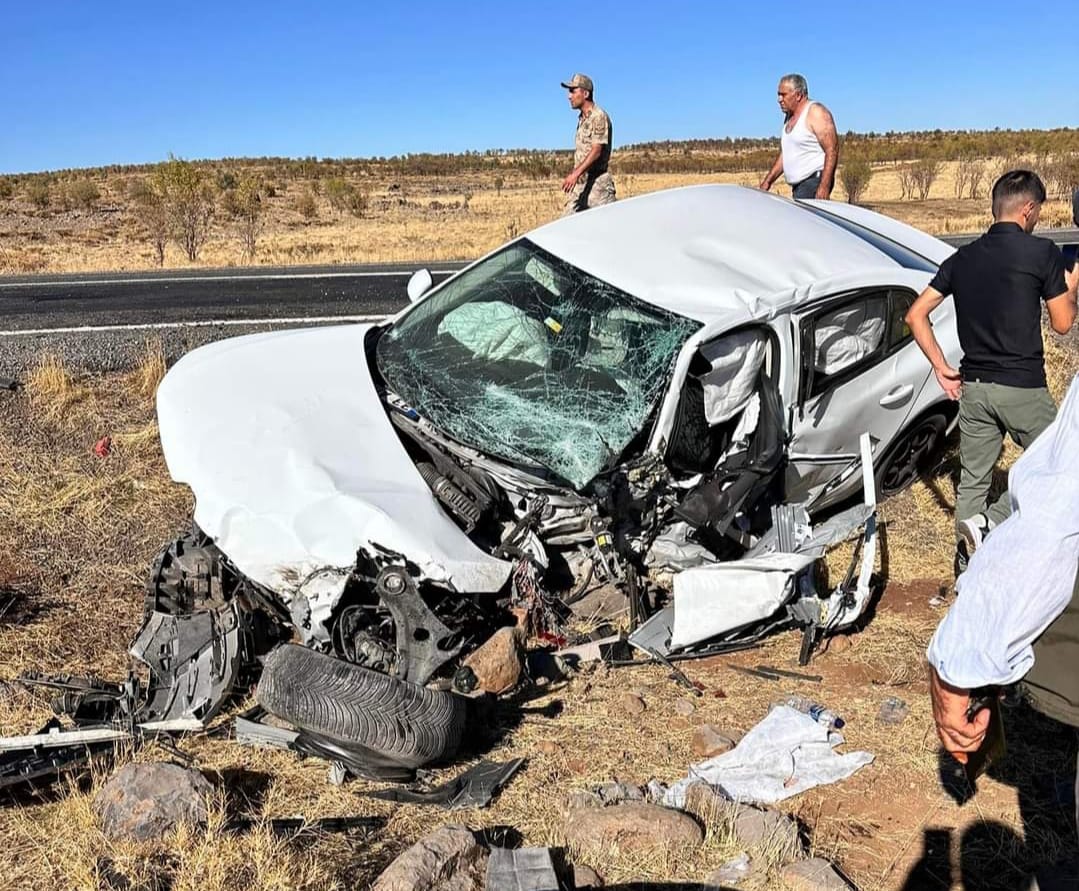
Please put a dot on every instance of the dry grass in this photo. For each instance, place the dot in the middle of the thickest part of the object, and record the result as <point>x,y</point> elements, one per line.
<point>79,534</point>
<point>410,219</point>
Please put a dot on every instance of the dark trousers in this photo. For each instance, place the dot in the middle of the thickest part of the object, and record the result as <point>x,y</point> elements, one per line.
<point>807,188</point>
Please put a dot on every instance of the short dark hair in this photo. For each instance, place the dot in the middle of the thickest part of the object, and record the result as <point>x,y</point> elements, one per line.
<point>1016,186</point>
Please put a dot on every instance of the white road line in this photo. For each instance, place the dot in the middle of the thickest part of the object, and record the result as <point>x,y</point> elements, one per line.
<point>208,278</point>
<point>156,326</point>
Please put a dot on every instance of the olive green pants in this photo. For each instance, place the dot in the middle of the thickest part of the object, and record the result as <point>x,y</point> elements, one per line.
<point>986,413</point>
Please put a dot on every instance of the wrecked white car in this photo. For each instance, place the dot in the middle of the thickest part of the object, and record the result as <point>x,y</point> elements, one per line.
<point>618,397</point>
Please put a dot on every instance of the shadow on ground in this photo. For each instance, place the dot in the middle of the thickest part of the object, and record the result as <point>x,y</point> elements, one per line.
<point>991,856</point>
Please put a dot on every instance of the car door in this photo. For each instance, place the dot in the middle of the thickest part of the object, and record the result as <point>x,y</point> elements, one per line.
<point>859,371</point>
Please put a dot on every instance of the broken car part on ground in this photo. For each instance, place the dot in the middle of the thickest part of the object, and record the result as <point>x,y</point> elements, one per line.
<point>653,397</point>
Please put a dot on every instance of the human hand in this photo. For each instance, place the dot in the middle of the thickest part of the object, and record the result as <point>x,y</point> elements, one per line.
<point>958,735</point>
<point>823,193</point>
<point>1071,277</point>
<point>764,185</point>
<point>570,181</point>
<point>950,381</point>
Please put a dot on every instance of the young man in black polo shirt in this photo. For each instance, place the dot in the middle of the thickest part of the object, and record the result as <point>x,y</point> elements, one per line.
<point>999,283</point>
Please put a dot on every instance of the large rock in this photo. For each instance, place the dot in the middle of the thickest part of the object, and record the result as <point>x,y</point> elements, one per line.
<point>447,860</point>
<point>631,827</point>
<point>708,803</point>
<point>145,801</point>
<point>764,827</point>
<point>497,663</point>
<point>632,703</point>
<point>709,741</point>
<point>814,874</point>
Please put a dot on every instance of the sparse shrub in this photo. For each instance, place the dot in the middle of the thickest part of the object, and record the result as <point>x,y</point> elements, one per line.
<point>969,176</point>
<point>83,193</point>
<point>306,206</point>
<point>926,171</point>
<point>338,193</point>
<point>905,172</point>
<point>499,183</point>
<point>7,188</point>
<point>466,197</point>
<point>226,180</point>
<point>855,173</point>
<point>248,201</point>
<point>189,204</point>
<point>38,192</point>
<point>358,202</point>
<point>148,198</point>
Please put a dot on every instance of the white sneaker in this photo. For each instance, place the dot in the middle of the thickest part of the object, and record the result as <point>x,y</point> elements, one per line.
<point>972,533</point>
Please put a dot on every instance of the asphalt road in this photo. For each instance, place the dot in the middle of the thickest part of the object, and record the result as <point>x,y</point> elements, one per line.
<point>102,321</point>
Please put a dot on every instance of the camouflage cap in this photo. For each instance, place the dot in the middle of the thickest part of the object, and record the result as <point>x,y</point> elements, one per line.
<point>579,80</point>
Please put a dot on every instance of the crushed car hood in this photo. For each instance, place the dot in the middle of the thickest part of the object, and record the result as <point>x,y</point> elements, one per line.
<point>295,466</point>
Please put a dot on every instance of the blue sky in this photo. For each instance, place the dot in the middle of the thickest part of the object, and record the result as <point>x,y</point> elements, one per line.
<point>87,84</point>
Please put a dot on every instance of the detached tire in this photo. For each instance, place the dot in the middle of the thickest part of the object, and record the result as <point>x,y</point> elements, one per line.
<point>405,724</point>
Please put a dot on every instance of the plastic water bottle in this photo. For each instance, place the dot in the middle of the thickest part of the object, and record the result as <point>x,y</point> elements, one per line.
<point>815,710</point>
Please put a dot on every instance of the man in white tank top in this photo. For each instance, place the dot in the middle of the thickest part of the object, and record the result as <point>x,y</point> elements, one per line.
<point>809,147</point>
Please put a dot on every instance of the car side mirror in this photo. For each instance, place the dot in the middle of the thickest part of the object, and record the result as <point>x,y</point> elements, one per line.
<point>419,284</point>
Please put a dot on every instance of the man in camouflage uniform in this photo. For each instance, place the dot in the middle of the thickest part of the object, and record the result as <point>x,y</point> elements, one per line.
<point>588,184</point>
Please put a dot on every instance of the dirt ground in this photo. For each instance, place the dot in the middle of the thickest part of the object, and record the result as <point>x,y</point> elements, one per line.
<point>407,219</point>
<point>78,536</point>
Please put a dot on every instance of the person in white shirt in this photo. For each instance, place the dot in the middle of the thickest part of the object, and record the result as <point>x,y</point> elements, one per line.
<point>1016,614</point>
<point>809,146</point>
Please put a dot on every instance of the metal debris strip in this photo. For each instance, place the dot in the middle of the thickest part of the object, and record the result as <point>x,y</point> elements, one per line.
<point>476,787</point>
<point>303,826</point>
<point>521,869</point>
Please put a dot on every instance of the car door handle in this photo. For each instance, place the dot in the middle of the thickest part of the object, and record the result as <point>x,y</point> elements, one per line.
<point>897,396</point>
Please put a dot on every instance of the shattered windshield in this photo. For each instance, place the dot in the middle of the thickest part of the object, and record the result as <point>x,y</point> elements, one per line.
<point>533,360</point>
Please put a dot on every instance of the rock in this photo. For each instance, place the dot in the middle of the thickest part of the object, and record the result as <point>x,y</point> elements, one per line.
<point>730,873</point>
<point>548,747</point>
<point>449,859</point>
<point>709,741</point>
<point>840,643</point>
<point>497,663</point>
<point>632,703</point>
<point>613,793</point>
<point>684,707</point>
<point>631,827</point>
<point>707,803</point>
<point>145,801</point>
<point>586,877</point>
<point>583,799</point>
<point>764,827</point>
<point>814,874</point>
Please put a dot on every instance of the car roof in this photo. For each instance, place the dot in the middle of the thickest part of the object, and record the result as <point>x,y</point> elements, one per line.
<point>719,252</point>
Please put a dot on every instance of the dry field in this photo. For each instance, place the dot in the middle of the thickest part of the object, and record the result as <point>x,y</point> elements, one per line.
<point>407,219</point>
<point>78,535</point>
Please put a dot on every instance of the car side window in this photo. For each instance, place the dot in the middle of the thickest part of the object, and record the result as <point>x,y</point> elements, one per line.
<point>899,330</point>
<point>840,341</point>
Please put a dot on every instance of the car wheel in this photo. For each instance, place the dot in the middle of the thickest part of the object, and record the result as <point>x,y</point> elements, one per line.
<point>909,455</point>
<point>402,723</point>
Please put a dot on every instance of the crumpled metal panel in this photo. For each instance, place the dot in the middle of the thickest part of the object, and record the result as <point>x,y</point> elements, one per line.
<point>194,662</point>
<point>295,466</point>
